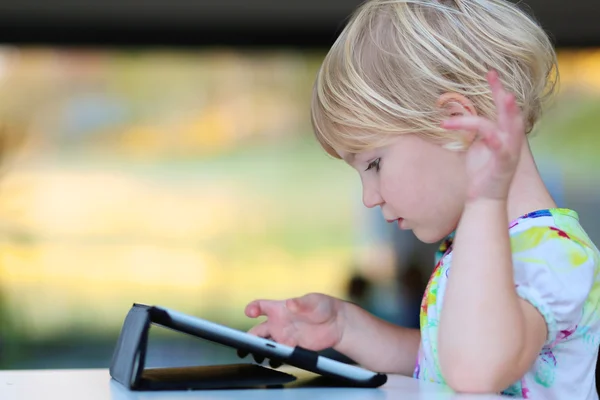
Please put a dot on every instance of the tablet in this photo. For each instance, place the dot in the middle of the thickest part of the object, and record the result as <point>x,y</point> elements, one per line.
<point>294,356</point>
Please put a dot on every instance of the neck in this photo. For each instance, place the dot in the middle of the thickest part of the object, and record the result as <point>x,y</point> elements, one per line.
<point>528,192</point>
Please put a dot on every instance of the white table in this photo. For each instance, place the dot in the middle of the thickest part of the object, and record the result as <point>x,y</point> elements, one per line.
<point>96,384</point>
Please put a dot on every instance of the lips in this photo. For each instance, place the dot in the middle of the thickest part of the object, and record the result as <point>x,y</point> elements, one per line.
<point>397,220</point>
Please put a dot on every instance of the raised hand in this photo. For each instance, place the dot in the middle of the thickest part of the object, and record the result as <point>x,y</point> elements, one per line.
<point>493,156</point>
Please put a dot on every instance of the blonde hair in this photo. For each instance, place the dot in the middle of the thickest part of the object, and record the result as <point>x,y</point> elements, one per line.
<point>387,69</point>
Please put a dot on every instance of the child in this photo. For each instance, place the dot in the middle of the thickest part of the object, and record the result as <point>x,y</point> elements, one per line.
<point>430,101</point>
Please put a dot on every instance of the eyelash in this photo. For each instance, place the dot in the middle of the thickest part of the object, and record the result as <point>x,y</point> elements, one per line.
<point>374,164</point>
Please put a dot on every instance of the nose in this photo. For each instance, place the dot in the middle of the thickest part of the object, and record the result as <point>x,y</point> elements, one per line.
<point>371,196</point>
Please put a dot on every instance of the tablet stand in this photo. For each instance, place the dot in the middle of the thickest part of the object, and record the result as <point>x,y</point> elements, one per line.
<point>128,362</point>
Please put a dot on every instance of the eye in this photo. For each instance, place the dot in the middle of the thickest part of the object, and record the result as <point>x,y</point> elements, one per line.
<point>374,164</point>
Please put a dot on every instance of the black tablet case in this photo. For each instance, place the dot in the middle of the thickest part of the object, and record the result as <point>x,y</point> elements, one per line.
<point>128,363</point>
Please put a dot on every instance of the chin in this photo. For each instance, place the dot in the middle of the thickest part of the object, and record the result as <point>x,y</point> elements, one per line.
<point>429,237</point>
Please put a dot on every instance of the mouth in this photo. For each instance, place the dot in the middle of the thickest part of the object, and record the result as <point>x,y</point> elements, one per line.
<point>397,220</point>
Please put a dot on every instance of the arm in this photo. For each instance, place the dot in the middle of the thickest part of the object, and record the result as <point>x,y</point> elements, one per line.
<point>376,344</point>
<point>488,336</point>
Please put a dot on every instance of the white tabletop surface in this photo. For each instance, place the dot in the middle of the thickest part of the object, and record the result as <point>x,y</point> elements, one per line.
<point>96,384</point>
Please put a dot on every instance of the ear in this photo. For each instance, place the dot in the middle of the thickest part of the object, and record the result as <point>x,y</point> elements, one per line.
<point>455,104</point>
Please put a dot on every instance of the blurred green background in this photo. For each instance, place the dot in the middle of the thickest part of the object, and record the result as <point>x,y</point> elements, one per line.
<point>190,179</point>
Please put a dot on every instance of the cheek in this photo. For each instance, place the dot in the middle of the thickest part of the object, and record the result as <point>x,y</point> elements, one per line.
<point>390,185</point>
<point>407,189</point>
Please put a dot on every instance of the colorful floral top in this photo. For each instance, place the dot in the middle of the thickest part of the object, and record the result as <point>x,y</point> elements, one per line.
<point>556,268</point>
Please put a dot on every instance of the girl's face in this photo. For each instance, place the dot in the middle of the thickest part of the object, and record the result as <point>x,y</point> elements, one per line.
<point>417,184</point>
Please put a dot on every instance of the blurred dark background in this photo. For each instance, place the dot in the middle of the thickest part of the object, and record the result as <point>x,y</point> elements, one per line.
<point>160,152</point>
<point>257,22</point>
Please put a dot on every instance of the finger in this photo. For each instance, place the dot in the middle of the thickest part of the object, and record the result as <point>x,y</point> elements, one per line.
<point>260,330</point>
<point>515,117</point>
<point>499,94</point>
<point>294,305</point>
<point>275,363</point>
<point>486,130</point>
<point>259,307</point>
<point>258,359</point>
<point>288,341</point>
<point>242,353</point>
<point>470,123</point>
<point>304,304</point>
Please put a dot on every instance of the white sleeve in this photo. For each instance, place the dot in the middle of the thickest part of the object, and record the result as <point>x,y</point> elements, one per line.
<point>555,274</point>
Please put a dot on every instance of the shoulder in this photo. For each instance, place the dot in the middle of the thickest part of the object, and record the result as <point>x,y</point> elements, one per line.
<point>555,236</point>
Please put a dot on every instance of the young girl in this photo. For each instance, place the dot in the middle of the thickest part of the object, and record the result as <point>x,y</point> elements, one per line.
<point>430,101</point>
